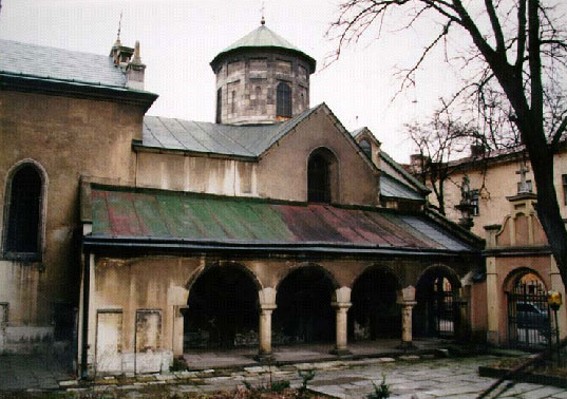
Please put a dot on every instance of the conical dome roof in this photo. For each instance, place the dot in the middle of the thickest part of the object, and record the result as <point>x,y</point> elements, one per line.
<point>263,38</point>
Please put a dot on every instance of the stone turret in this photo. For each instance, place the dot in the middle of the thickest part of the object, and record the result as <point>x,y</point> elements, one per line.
<point>261,79</point>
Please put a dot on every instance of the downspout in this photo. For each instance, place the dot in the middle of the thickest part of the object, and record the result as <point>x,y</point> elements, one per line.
<point>83,372</point>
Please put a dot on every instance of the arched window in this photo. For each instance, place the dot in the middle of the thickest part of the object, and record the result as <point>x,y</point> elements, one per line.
<point>219,106</point>
<point>283,100</point>
<point>319,176</point>
<point>366,148</point>
<point>22,230</point>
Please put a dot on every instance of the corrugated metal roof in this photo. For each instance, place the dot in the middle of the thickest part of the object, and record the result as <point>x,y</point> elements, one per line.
<point>248,141</point>
<point>262,37</point>
<point>122,213</point>
<point>57,64</point>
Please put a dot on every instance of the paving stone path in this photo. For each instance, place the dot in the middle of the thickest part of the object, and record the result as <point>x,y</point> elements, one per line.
<point>409,377</point>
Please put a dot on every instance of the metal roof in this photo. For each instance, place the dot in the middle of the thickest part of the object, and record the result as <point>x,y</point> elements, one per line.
<point>144,216</point>
<point>57,64</point>
<point>205,137</point>
<point>262,37</point>
<point>391,187</point>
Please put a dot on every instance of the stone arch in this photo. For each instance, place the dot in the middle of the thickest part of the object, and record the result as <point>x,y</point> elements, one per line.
<point>323,269</point>
<point>375,313</point>
<point>517,274</point>
<point>437,311</point>
<point>527,310</point>
<point>222,307</point>
<point>31,248</point>
<point>304,313</point>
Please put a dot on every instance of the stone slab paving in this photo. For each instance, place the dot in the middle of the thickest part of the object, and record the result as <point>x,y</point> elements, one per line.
<point>423,378</point>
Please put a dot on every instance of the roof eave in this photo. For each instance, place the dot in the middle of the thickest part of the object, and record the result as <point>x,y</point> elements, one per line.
<point>75,89</point>
<point>93,243</point>
<point>219,57</point>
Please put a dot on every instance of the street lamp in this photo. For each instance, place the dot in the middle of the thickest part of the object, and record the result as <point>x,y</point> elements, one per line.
<point>555,301</point>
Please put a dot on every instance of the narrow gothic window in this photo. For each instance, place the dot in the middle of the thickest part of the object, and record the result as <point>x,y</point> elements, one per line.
<point>319,181</point>
<point>283,100</point>
<point>233,102</point>
<point>219,106</point>
<point>22,237</point>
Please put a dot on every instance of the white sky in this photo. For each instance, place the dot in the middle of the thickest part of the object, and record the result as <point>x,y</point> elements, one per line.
<point>180,37</point>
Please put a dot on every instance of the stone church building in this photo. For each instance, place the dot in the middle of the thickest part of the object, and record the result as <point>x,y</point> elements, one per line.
<point>134,239</point>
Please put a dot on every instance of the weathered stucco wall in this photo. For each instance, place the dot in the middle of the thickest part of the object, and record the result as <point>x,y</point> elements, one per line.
<point>67,138</point>
<point>197,174</point>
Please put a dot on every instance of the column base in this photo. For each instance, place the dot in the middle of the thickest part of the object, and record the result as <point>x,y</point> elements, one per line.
<point>406,346</point>
<point>265,358</point>
<point>341,352</point>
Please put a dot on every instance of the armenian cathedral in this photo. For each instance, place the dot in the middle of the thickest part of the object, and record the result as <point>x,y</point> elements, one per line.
<point>130,240</point>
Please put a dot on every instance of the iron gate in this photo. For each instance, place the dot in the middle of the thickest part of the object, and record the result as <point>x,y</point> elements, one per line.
<point>444,313</point>
<point>528,316</point>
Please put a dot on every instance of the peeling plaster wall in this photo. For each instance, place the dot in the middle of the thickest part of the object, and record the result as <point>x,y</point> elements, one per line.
<point>197,174</point>
<point>67,137</point>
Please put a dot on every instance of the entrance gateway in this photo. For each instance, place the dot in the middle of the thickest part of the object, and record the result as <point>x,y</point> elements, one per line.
<point>529,322</point>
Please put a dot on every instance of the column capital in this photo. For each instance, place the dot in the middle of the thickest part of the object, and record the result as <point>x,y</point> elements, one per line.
<point>341,305</point>
<point>268,306</point>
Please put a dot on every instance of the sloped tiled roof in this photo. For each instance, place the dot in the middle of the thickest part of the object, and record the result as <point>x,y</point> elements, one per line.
<point>262,37</point>
<point>246,141</point>
<point>164,218</point>
<point>57,64</point>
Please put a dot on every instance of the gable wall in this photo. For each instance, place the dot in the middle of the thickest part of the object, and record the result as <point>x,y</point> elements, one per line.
<point>357,183</point>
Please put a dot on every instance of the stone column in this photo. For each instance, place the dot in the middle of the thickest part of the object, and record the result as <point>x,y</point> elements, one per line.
<point>177,329</point>
<point>176,298</point>
<point>406,298</point>
<point>267,298</point>
<point>342,304</point>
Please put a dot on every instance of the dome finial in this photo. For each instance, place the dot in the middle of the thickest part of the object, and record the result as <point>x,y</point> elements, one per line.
<point>263,20</point>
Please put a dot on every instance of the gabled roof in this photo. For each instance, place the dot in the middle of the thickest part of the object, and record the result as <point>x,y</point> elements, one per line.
<point>29,67</point>
<point>263,38</point>
<point>393,188</point>
<point>166,219</point>
<point>212,138</point>
<point>399,173</point>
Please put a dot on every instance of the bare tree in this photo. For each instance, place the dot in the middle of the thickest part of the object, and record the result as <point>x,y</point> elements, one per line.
<point>440,140</point>
<point>514,47</point>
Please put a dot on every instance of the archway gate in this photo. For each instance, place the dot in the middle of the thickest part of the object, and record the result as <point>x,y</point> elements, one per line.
<point>528,314</point>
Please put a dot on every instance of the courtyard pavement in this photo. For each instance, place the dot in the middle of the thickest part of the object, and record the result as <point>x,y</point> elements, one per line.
<point>412,375</point>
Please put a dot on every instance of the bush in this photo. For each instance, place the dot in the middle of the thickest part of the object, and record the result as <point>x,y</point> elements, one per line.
<point>381,391</point>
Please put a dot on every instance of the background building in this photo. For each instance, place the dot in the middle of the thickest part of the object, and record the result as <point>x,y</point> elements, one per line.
<point>510,305</point>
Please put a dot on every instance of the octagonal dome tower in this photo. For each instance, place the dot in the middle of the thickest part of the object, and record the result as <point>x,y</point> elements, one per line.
<point>261,79</point>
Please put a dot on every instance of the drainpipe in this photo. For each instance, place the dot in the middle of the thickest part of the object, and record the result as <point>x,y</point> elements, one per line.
<point>84,337</point>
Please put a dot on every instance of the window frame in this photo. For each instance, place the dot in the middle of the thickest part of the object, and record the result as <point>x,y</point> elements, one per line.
<point>6,252</point>
<point>284,103</point>
<point>329,191</point>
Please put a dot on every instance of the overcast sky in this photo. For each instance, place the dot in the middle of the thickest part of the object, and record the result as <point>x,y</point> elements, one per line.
<point>180,37</point>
